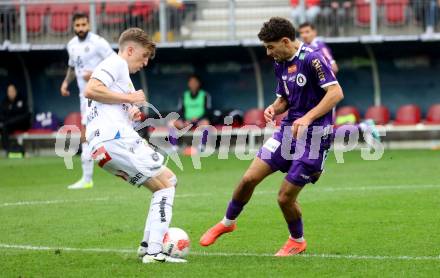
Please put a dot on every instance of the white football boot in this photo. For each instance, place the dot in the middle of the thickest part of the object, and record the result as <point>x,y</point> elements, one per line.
<point>81,184</point>
<point>161,258</point>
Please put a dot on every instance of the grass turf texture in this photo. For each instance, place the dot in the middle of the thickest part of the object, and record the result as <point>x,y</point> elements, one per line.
<point>387,208</point>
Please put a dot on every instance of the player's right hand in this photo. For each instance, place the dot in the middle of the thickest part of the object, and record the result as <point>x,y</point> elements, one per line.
<point>137,97</point>
<point>64,91</point>
<point>269,113</point>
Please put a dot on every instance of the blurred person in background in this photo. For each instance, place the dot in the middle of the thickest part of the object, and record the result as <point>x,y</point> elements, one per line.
<point>309,35</point>
<point>426,13</point>
<point>86,50</point>
<point>194,108</point>
<point>338,13</point>
<point>14,115</point>
<point>312,10</point>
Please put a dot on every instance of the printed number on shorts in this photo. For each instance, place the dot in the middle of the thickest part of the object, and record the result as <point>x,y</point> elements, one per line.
<point>272,145</point>
<point>101,155</point>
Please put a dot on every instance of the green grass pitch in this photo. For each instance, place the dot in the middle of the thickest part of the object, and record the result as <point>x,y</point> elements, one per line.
<point>362,219</point>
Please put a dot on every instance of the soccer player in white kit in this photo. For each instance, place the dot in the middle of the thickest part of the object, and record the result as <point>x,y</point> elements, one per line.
<point>117,147</point>
<point>86,50</point>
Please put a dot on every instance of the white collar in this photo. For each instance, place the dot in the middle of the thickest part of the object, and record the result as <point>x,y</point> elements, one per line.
<point>297,52</point>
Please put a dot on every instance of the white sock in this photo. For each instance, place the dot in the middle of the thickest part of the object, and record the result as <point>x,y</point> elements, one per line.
<point>86,162</point>
<point>301,239</point>
<point>228,222</point>
<point>161,212</point>
<point>148,223</point>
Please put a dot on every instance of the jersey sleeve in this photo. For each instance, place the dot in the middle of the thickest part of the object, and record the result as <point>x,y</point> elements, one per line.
<point>328,54</point>
<point>107,72</point>
<point>104,48</point>
<point>280,89</point>
<point>320,68</point>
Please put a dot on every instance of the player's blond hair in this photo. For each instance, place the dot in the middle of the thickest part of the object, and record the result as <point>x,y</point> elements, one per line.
<point>139,36</point>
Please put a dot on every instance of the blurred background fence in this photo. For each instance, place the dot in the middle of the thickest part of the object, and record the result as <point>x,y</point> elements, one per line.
<point>169,21</point>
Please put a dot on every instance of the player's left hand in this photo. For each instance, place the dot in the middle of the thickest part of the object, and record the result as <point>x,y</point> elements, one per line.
<point>87,74</point>
<point>134,113</point>
<point>300,126</point>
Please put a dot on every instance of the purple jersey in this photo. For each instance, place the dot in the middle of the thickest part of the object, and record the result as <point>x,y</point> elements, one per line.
<point>319,45</point>
<point>301,81</point>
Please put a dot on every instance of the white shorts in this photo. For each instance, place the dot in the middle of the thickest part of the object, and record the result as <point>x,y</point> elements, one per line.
<point>132,159</point>
<point>83,101</point>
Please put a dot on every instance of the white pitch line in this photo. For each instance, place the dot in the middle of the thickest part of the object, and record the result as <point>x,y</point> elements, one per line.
<point>220,254</point>
<point>191,195</point>
<point>50,202</point>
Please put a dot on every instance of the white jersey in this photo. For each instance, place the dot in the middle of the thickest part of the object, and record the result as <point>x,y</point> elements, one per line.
<point>110,121</point>
<point>86,55</point>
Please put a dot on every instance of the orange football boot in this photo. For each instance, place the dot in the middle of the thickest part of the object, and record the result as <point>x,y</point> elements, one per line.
<point>210,236</point>
<point>291,247</point>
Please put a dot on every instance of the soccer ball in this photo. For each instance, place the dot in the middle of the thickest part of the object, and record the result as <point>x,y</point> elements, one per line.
<point>176,243</point>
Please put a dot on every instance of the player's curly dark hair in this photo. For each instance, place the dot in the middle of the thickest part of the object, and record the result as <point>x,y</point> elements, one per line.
<point>275,29</point>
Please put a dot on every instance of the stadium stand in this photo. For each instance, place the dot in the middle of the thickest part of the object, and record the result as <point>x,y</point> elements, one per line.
<point>115,13</point>
<point>433,116</point>
<point>396,11</point>
<point>379,114</point>
<point>60,17</point>
<point>73,118</point>
<point>408,115</point>
<point>362,13</point>
<point>254,117</point>
<point>35,15</point>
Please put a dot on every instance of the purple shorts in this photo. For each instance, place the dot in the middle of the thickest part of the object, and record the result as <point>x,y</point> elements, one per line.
<point>301,160</point>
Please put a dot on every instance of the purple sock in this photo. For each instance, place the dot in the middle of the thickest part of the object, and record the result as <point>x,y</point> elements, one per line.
<point>173,136</point>
<point>234,209</point>
<point>296,228</point>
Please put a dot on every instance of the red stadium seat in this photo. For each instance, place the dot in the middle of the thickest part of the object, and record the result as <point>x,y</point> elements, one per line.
<point>379,114</point>
<point>362,11</point>
<point>395,11</point>
<point>143,9</point>
<point>35,18</point>
<point>408,115</point>
<point>433,117</point>
<point>115,13</point>
<point>73,119</point>
<point>60,17</point>
<point>254,117</point>
<point>346,110</point>
<point>85,8</point>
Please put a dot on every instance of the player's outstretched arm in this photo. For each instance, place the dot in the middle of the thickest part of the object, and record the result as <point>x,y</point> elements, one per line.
<point>96,90</point>
<point>70,75</point>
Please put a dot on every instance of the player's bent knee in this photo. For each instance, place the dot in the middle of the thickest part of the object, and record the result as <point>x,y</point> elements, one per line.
<point>285,199</point>
<point>249,180</point>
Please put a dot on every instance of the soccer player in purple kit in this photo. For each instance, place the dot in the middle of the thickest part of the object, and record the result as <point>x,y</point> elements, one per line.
<point>307,88</point>
<point>309,35</point>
